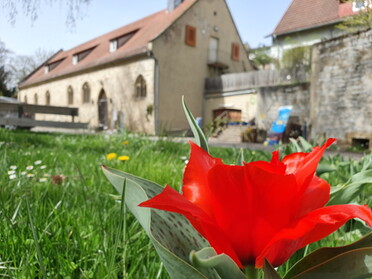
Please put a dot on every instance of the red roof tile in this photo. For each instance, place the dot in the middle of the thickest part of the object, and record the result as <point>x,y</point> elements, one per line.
<point>304,14</point>
<point>149,28</point>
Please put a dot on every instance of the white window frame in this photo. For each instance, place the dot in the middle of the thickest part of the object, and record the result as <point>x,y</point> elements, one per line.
<point>75,59</point>
<point>113,45</point>
<point>366,4</point>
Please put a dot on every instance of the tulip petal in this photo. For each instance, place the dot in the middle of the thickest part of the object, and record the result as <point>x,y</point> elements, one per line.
<point>170,200</point>
<point>232,206</point>
<point>304,165</point>
<point>251,204</point>
<point>195,185</point>
<point>312,227</point>
<point>315,196</point>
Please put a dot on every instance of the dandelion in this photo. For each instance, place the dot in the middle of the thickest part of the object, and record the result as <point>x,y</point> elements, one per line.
<point>30,175</point>
<point>125,142</point>
<point>12,176</point>
<point>42,167</point>
<point>29,167</point>
<point>111,156</point>
<point>13,167</point>
<point>123,158</point>
<point>43,179</point>
<point>38,162</point>
<point>11,172</point>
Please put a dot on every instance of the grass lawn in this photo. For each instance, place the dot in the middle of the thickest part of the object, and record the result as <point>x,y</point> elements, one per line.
<point>60,217</point>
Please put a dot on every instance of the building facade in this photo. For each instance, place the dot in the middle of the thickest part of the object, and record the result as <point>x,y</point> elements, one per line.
<point>134,77</point>
<point>308,22</point>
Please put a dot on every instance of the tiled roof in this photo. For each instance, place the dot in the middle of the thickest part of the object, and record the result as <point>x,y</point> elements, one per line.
<point>305,14</point>
<point>148,29</point>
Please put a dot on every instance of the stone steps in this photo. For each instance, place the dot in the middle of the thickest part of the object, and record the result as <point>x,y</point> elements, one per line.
<point>232,134</point>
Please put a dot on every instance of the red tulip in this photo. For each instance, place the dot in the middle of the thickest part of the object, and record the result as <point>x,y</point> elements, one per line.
<point>259,210</point>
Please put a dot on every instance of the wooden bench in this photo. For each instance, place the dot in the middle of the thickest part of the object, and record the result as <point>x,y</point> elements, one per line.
<point>22,115</point>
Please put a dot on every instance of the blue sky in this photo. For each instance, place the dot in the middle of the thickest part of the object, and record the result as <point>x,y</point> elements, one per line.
<point>254,18</point>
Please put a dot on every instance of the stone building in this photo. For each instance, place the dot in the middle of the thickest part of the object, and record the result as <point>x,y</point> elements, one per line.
<point>135,76</point>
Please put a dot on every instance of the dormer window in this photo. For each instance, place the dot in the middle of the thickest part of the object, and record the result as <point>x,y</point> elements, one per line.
<point>118,42</point>
<point>77,57</point>
<point>113,45</point>
<point>51,66</point>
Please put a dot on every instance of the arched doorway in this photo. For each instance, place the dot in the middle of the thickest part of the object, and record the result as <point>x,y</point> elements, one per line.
<point>102,110</point>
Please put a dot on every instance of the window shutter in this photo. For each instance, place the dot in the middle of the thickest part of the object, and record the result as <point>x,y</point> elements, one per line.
<point>190,39</point>
<point>235,51</point>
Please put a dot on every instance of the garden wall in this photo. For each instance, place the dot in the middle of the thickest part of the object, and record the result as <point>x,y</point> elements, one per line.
<point>269,99</point>
<point>341,88</point>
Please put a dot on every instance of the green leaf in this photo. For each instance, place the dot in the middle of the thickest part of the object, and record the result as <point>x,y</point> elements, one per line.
<point>347,192</point>
<point>295,146</point>
<point>355,264</point>
<point>196,130</point>
<point>351,261</point>
<point>223,264</point>
<point>171,234</point>
<point>306,146</point>
<point>324,168</point>
<point>240,159</point>
<point>270,272</point>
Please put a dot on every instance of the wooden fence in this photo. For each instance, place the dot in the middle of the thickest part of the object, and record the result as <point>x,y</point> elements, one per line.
<point>23,115</point>
<point>254,79</point>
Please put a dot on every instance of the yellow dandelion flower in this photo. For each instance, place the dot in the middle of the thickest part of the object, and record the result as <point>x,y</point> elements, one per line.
<point>111,156</point>
<point>123,158</point>
<point>125,142</point>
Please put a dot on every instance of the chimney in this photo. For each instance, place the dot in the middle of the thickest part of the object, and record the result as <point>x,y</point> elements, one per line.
<point>173,4</point>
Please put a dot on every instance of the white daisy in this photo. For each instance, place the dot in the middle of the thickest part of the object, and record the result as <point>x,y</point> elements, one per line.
<point>24,173</point>
<point>42,179</point>
<point>42,167</point>
<point>38,162</point>
<point>12,176</point>
<point>29,167</point>
<point>29,175</point>
<point>11,172</point>
<point>13,167</point>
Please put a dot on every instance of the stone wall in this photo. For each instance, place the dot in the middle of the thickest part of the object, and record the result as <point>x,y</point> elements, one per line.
<point>269,99</point>
<point>341,88</point>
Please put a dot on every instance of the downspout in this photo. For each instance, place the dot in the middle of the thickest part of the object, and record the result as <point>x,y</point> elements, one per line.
<point>150,54</point>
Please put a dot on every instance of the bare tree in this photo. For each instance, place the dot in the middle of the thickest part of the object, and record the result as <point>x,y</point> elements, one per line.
<point>30,8</point>
<point>3,53</point>
<point>22,65</point>
<point>4,73</point>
